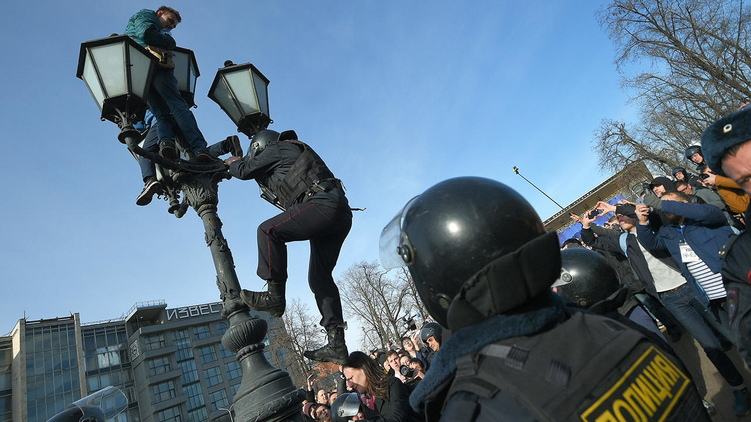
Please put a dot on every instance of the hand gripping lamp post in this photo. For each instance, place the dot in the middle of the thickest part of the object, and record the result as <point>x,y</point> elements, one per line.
<point>118,73</point>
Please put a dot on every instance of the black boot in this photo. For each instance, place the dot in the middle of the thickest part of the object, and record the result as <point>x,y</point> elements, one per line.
<point>271,301</point>
<point>335,351</point>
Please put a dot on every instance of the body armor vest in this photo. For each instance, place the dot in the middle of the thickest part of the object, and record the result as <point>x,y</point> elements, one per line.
<point>303,179</point>
<point>589,368</point>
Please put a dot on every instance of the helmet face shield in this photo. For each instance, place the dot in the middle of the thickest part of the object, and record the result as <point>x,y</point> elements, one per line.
<point>394,247</point>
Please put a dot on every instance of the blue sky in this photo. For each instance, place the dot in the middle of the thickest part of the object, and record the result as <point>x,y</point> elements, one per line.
<point>395,96</point>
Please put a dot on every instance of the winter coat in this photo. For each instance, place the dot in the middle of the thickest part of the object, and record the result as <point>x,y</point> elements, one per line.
<point>394,407</point>
<point>705,230</point>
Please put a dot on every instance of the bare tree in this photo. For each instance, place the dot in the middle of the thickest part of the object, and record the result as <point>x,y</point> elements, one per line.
<point>698,61</point>
<point>418,311</point>
<point>300,333</point>
<point>378,300</point>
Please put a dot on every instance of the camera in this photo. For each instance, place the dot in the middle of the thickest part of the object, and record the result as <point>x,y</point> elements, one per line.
<point>593,214</point>
<point>409,322</point>
<point>703,176</point>
<point>406,371</point>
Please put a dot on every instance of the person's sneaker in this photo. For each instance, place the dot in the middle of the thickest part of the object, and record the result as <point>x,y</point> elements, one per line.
<point>232,144</point>
<point>151,187</point>
<point>167,150</point>
<point>740,401</point>
<point>709,408</point>
<point>203,156</point>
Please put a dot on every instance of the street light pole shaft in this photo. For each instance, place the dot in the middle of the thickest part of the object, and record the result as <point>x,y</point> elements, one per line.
<point>266,393</point>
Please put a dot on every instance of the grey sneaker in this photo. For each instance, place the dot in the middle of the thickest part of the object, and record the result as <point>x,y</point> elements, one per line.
<point>167,150</point>
<point>203,156</point>
<point>232,144</point>
<point>151,187</point>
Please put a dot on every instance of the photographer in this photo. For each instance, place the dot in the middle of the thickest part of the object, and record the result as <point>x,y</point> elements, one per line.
<point>695,236</point>
<point>385,398</point>
<point>406,373</point>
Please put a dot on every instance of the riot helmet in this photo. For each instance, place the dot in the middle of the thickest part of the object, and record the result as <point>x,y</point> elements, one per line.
<point>345,407</point>
<point>474,247</point>
<point>586,278</point>
<point>677,170</point>
<point>690,151</point>
<point>262,139</point>
<point>432,329</point>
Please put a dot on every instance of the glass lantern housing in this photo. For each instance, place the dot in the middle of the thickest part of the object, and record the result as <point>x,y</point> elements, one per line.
<point>118,73</point>
<point>242,92</point>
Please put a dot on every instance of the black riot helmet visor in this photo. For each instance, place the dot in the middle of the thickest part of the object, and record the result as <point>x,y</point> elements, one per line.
<point>474,248</point>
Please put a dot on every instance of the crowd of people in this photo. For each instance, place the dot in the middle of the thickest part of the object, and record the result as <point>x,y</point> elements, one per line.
<point>382,380</point>
<point>675,262</point>
<point>524,328</point>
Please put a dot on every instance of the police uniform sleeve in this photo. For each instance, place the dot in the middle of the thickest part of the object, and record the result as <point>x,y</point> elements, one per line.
<point>249,167</point>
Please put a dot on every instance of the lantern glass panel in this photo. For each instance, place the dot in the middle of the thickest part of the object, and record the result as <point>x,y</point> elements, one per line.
<point>182,71</point>
<point>139,71</point>
<point>242,86</point>
<point>193,77</point>
<point>224,98</point>
<point>261,93</point>
<point>92,81</point>
<point>110,60</point>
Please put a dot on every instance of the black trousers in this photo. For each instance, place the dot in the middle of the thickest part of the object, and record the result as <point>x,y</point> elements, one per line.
<point>325,227</point>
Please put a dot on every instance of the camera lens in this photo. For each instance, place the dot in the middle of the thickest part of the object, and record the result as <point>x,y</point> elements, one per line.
<point>406,371</point>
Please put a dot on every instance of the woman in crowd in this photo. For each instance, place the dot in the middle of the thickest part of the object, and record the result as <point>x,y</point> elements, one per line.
<point>385,398</point>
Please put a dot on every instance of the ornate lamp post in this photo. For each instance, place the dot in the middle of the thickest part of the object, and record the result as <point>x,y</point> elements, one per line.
<point>118,73</point>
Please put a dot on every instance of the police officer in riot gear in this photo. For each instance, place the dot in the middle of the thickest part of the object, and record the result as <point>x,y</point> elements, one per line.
<point>483,265</point>
<point>296,180</point>
<point>693,154</point>
<point>432,335</point>
<point>346,407</point>
<point>681,174</point>
<point>587,280</point>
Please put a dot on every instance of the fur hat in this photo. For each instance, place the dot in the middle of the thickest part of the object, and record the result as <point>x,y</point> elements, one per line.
<point>724,134</point>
